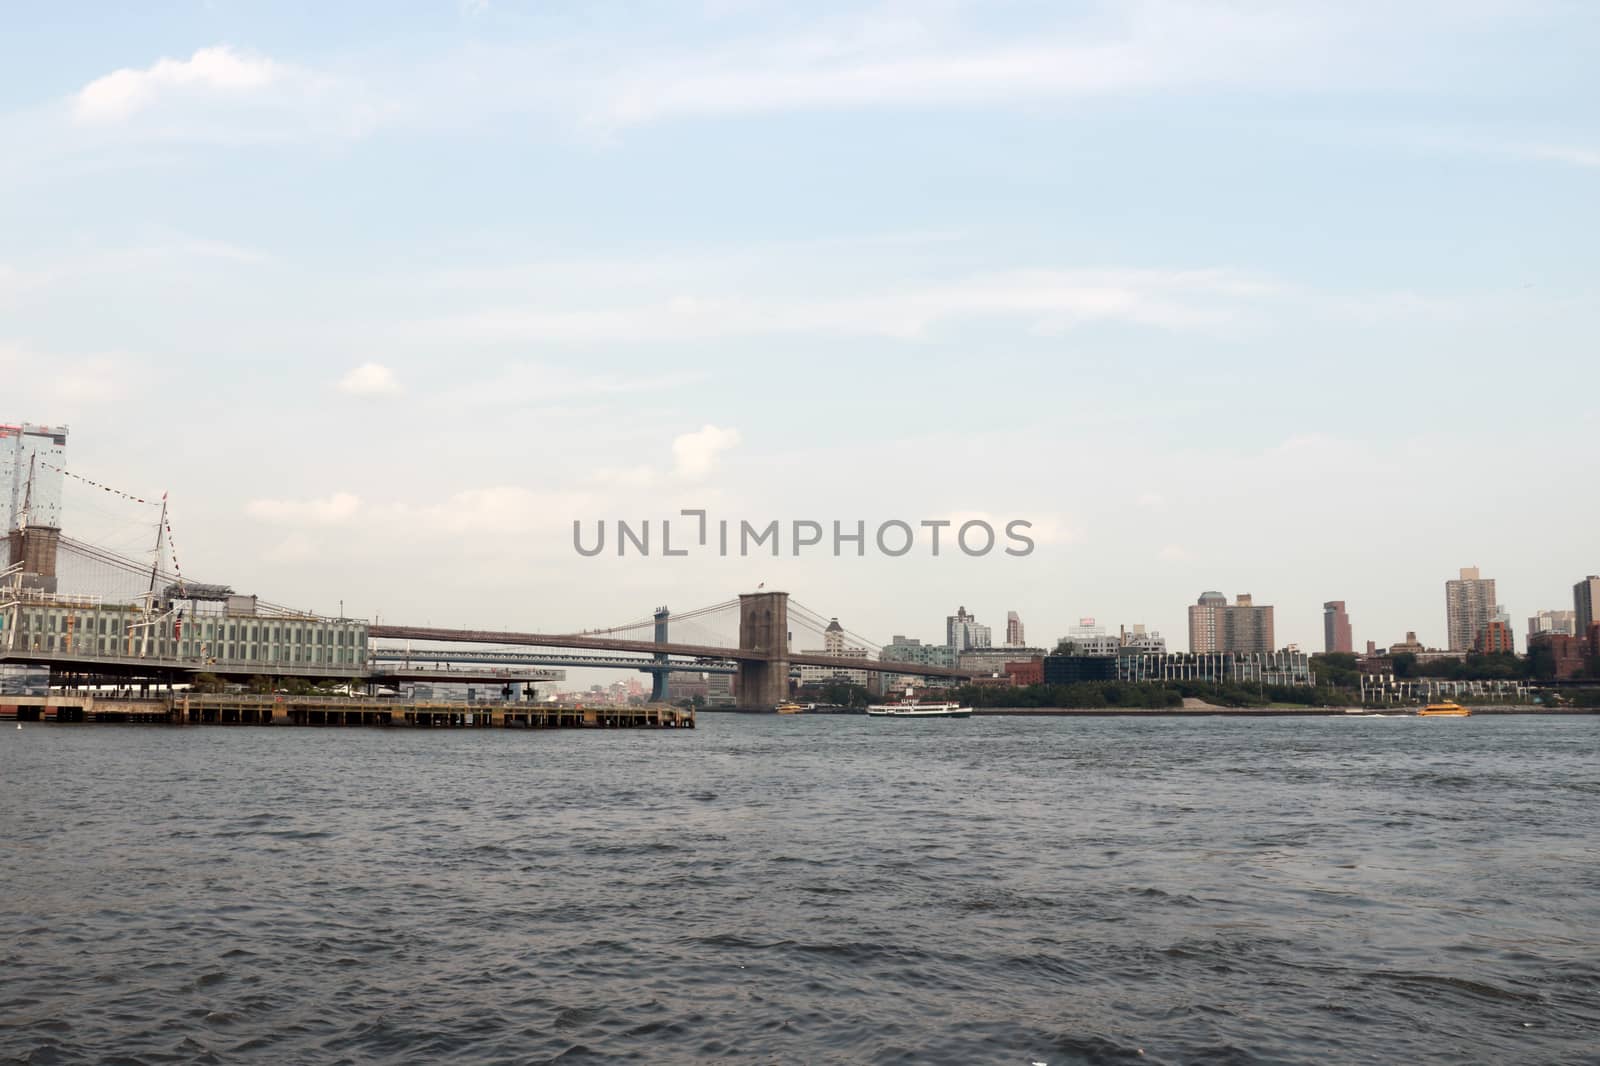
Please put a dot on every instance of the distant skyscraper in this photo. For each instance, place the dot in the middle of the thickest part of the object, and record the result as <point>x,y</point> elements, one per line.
<point>1336,628</point>
<point>1469,607</point>
<point>1214,626</point>
<point>1205,622</point>
<point>1557,623</point>
<point>1248,628</point>
<point>1584,595</point>
<point>1014,630</point>
<point>30,475</point>
<point>963,633</point>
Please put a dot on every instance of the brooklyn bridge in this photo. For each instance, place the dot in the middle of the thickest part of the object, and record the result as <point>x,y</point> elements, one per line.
<point>93,616</point>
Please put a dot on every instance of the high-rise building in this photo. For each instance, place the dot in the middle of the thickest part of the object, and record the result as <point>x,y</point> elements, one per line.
<point>1248,629</point>
<point>31,459</point>
<point>1469,607</point>
<point>963,632</point>
<point>1242,628</point>
<point>1584,595</point>
<point>1205,622</point>
<point>1014,630</point>
<point>1558,623</point>
<point>1336,628</point>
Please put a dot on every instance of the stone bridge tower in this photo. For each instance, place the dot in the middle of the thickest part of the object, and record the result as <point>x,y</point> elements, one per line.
<point>763,627</point>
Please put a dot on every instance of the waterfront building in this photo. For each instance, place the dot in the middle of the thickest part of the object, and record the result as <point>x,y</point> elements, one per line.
<point>1469,607</point>
<point>1561,623</point>
<point>1014,630</point>
<point>903,649</point>
<point>1072,669</point>
<point>1584,596</point>
<point>1029,672</point>
<point>989,662</point>
<point>719,690</point>
<point>1567,654</point>
<point>1139,641</point>
<point>230,636</point>
<point>963,631</point>
<point>1336,628</point>
<point>1090,638</point>
<point>1286,667</point>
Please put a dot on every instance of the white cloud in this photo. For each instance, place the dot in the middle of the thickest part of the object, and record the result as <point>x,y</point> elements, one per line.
<point>68,384</point>
<point>885,60</point>
<point>1153,501</point>
<point>492,512</point>
<point>295,548</point>
<point>337,509</point>
<point>369,379</point>
<point>1578,157</point>
<point>218,69</point>
<point>1173,553</point>
<point>696,454</point>
<point>1046,300</point>
<point>531,383</point>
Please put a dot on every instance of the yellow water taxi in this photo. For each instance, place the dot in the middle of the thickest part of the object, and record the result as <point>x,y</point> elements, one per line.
<point>790,708</point>
<point>1446,709</point>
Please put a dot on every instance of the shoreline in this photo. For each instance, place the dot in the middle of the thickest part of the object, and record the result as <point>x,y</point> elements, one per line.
<point>1253,712</point>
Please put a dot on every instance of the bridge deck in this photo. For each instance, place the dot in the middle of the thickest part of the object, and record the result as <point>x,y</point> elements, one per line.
<point>650,647</point>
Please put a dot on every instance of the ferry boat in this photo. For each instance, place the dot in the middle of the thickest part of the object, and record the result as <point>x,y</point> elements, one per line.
<point>790,708</point>
<point>1447,709</point>
<point>913,709</point>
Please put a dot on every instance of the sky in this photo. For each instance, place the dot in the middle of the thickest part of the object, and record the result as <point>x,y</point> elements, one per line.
<point>1298,299</point>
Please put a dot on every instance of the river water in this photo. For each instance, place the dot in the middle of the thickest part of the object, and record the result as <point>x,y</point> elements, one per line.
<point>805,889</point>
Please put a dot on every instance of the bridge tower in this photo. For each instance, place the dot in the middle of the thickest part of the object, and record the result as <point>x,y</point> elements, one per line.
<point>763,627</point>
<point>658,679</point>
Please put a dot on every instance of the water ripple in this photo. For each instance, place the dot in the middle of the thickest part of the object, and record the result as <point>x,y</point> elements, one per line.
<point>804,890</point>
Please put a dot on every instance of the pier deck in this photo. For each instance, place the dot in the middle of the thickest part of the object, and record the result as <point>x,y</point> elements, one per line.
<point>194,709</point>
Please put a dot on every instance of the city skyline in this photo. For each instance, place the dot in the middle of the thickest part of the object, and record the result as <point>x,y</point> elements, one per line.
<point>1471,601</point>
<point>387,299</point>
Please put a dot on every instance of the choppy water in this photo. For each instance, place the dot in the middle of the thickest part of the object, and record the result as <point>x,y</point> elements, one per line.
<point>807,889</point>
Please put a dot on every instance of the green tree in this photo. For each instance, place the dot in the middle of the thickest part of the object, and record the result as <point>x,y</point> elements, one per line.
<point>204,682</point>
<point>1337,669</point>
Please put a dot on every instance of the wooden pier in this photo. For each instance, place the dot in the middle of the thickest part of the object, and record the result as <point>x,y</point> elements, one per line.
<point>194,709</point>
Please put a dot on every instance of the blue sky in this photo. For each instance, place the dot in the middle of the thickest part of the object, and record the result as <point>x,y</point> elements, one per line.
<point>1292,299</point>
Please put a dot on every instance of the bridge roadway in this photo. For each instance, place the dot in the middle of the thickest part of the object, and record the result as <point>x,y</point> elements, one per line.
<point>650,647</point>
<point>510,658</point>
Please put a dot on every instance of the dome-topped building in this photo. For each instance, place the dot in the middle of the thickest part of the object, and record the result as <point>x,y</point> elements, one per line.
<point>1242,629</point>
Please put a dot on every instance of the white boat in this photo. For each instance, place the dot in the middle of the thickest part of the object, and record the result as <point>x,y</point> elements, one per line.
<point>913,709</point>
